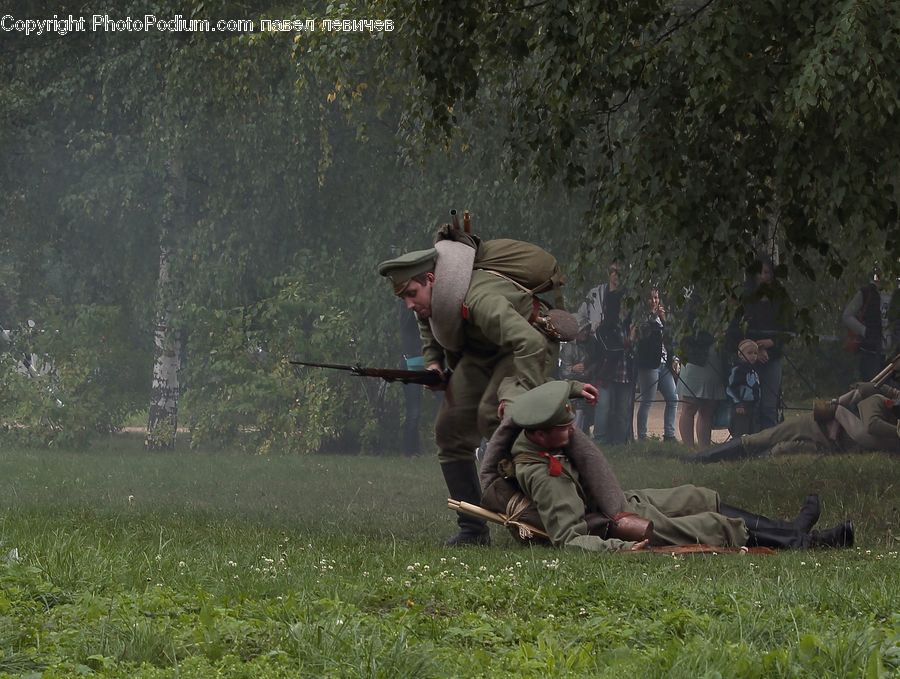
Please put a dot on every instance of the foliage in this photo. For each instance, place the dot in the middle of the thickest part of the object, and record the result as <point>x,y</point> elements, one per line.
<point>704,130</point>
<point>240,380</point>
<point>82,377</point>
<point>216,562</point>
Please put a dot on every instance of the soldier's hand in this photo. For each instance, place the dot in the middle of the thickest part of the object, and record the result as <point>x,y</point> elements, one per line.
<point>640,546</point>
<point>501,409</point>
<point>436,367</point>
<point>590,394</point>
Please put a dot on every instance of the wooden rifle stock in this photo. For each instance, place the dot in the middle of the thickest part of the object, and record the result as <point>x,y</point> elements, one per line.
<point>429,378</point>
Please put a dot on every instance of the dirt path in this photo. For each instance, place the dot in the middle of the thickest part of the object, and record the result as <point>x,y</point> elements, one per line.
<point>655,423</point>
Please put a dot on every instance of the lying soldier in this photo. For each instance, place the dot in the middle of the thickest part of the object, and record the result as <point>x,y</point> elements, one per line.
<point>571,484</point>
<point>865,418</point>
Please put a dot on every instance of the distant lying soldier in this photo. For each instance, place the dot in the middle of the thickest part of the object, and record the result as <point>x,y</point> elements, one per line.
<point>580,503</point>
<point>865,418</point>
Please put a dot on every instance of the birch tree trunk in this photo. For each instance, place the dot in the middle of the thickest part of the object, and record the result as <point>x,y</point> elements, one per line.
<point>162,425</point>
<point>163,421</point>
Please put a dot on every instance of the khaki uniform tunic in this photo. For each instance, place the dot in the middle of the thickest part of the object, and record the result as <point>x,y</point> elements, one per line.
<point>805,434</point>
<point>880,423</point>
<point>503,356</point>
<point>684,515</point>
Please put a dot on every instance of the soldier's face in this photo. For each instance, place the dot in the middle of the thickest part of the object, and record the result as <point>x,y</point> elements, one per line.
<point>417,296</point>
<point>554,438</point>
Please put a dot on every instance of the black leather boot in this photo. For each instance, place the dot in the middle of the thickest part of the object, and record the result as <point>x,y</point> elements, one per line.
<point>766,533</point>
<point>462,482</point>
<point>841,535</point>
<point>809,514</point>
<point>806,519</point>
<point>723,452</point>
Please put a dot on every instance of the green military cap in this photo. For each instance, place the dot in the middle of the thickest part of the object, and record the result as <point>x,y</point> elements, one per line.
<point>543,407</point>
<point>401,269</point>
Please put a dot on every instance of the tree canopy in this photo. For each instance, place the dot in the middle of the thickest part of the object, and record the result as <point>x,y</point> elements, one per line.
<point>704,131</point>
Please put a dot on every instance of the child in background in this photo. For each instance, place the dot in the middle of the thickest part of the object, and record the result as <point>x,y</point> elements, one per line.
<point>743,389</point>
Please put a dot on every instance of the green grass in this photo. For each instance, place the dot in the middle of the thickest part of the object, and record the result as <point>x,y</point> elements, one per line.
<point>218,564</point>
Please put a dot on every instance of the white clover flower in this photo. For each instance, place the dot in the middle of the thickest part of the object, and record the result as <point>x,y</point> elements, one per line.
<point>407,583</point>
<point>181,564</point>
<point>389,579</point>
<point>482,569</point>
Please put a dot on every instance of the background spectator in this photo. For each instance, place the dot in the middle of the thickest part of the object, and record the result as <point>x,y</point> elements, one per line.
<point>654,359</point>
<point>574,359</point>
<point>613,366</point>
<point>866,317</point>
<point>763,317</point>
<point>743,389</point>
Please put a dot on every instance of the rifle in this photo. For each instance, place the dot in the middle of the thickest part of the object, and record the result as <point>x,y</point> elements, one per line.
<point>429,378</point>
<point>467,221</point>
<point>454,219</point>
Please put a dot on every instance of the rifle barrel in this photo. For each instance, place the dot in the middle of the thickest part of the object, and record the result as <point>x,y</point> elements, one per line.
<point>333,366</point>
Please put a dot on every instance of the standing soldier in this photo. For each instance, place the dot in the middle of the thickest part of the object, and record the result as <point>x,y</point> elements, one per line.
<point>493,333</point>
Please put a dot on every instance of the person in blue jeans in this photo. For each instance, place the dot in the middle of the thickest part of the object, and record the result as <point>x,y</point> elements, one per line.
<point>655,362</point>
<point>612,363</point>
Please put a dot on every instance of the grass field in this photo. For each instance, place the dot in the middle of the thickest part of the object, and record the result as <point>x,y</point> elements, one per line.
<point>195,564</point>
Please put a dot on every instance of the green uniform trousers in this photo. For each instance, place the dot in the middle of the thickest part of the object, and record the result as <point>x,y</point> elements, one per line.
<point>794,435</point>
<point>469,409</point>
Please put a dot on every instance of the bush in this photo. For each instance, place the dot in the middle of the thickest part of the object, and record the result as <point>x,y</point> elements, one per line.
<point>84,377</point>
<point>242,388</point>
